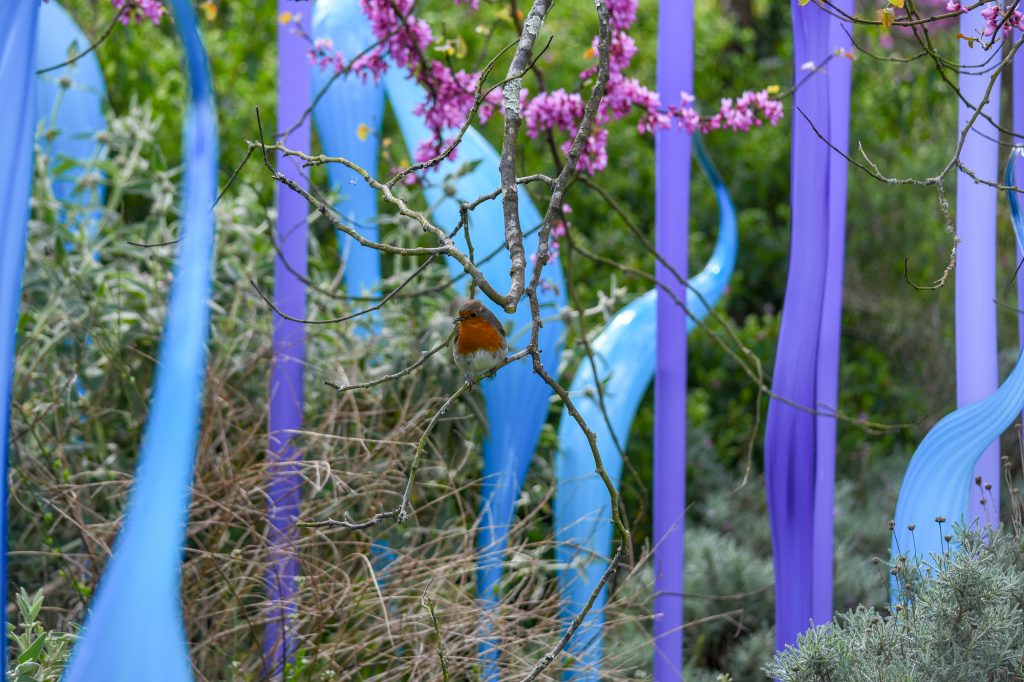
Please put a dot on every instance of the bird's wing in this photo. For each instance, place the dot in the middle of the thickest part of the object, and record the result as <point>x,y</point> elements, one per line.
<point>493,319</point>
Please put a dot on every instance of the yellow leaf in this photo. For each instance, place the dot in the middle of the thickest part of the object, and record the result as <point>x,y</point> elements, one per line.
<point>970,41</point>
<point>773,89</point>
<point>460,47</point>
<point>209,10</point>
<point>386,142</point>
<point>888,17</point>
<point>285,17</point>
<point>589,54</point>
<point>897,3</point>
<point>804,2</point>
<point>363,131</point>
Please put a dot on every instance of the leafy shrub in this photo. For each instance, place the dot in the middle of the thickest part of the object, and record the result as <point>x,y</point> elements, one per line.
<point>39,655</point>
<point>961,620</point>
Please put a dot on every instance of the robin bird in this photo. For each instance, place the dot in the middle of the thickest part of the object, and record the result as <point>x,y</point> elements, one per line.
<point>479,340</point>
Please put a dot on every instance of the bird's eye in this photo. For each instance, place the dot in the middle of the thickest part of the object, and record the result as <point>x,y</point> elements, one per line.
<point>472,314</point>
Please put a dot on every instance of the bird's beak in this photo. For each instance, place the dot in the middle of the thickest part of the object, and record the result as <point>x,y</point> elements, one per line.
<point>458,319</point>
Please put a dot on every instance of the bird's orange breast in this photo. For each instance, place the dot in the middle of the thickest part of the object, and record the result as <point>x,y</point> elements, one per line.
<point>477,335</point>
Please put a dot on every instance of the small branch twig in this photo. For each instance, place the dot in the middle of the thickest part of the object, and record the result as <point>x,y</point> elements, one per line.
<point>103,36</point>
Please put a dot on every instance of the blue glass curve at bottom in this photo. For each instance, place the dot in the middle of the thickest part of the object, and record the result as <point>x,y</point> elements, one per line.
<point>938,480</point>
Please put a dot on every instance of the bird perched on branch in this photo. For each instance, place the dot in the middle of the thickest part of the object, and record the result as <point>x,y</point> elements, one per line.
<point>479,340</point>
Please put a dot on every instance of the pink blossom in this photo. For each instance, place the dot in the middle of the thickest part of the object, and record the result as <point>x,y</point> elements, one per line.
<point>135,11</point>
<point>323,55</point>
<point>409,179</point>
<point>556,110</point>
<point>994,15</point>
<point>558,230</point>
<point>370,64</point>
<point>595,152</point>
<point>1017,19</point>
<point>990,14</point>
<point>622,48</point>
<point>749,110</point>
<point>623,13</point>
<point>428,149</point>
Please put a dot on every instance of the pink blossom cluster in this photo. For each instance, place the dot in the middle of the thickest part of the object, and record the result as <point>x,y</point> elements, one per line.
<point>450,94</point>
<point>994,15</point>
<point>405,39</point>
<point>996,18</point>
<point>556,110</point>
<point>595,152</point>
<point>136,11</point>
<point>749,110</point>
<point>563,111</point>
<point>403,36</point>
<point>323,54</point>
<point>623,94</point>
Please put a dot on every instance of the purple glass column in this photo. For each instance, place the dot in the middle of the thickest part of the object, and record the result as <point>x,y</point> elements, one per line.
<point>790,442</point>
<point>289,353</point>
<point>1018,127</point>
<point>839,74</point>
<point>977,369</point>
<point>672,214</point>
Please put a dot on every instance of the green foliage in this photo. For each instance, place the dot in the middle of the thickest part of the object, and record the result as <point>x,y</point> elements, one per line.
<point>963,621</point>
<point>722,400</point>
<point>145,61</point>
<point>38,654</point>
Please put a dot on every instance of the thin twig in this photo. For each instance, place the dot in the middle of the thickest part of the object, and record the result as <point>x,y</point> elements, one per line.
<point>428,603</point>
<point>103,36</point>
